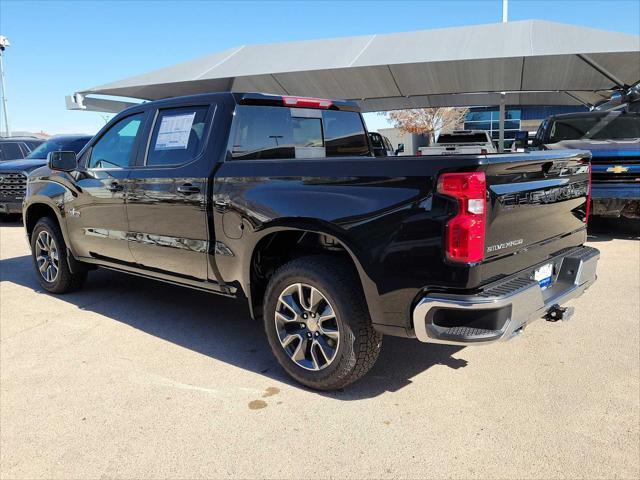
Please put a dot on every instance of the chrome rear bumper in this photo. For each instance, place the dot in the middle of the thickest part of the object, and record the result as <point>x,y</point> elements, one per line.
<point>503,308</point>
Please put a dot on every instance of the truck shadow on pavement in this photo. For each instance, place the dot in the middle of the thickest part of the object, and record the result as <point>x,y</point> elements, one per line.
<point>607,229</point>
<point>222,329</point>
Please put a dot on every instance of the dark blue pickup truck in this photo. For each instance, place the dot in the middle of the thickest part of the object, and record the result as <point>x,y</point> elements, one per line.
<point>614,141</point>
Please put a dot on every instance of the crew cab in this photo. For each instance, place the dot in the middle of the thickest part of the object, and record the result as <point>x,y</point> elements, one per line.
<point>614,141</point>
<point>279,200</point>
<point>461,142</point>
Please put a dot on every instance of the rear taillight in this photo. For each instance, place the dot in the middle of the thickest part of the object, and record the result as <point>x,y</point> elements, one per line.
<point>306,102</point>
<point>483,151</point>
<point>464,237</point>
<point>419,154</point>
<point>588,209</point>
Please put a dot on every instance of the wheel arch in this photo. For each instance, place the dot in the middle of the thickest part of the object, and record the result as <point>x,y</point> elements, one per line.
<point>43,207</point>
<point>298,238</point>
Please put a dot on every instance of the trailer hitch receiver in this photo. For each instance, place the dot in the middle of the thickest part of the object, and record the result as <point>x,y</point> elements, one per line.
<point>556,312</point>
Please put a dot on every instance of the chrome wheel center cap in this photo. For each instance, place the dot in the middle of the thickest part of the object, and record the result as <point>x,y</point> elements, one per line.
<point>312,324</point>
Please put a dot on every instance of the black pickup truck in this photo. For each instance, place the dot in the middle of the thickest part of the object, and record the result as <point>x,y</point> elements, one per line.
<point>278,200</point>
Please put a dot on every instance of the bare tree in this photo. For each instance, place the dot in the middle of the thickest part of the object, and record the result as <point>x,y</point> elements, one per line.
<point>426,121</point>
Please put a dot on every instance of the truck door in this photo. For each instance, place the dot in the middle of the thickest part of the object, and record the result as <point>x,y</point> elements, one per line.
<point>96,218</point>
<point>167,192</point>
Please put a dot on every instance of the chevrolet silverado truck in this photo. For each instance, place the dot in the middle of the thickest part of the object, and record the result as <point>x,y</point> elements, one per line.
<point>614,141</point>
<point>279,200</point>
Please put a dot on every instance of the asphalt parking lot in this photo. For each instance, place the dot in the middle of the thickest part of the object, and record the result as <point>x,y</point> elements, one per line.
<point>131,378</point>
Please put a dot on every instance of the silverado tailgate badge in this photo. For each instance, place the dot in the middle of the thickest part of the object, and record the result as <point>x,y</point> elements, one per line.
<point>501,246</point>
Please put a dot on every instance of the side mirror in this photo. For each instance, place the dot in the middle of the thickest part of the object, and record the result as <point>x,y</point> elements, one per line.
<point>62,161</point>
<point>400,148</point>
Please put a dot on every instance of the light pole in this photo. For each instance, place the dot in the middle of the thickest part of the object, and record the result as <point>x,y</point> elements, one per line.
<point>505,11</point>
<point>4,43</point>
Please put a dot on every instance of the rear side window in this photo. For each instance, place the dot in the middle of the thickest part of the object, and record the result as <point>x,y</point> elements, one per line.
<point>282,133</point>
<point>177,136</point>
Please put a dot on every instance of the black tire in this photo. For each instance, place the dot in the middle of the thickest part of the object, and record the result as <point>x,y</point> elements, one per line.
<point>359,344</point>
<point>64,281</point>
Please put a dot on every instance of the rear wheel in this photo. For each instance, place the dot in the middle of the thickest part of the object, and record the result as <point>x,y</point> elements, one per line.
<point>49,254</point>
<point>317,323</point>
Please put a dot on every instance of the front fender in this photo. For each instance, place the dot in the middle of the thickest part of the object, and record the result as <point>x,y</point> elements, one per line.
<point>46,193</point>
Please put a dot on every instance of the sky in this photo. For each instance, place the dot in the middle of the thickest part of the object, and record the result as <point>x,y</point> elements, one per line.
<point>59,47</point>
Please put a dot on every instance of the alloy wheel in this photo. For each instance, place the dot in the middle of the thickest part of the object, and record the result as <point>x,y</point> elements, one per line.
<point>47,257</point>
<point>307,326</point>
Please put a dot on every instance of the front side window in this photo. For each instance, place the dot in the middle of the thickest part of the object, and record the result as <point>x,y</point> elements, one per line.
<point>261,132</point>
<point>177,136</point>
<point>115,148</point>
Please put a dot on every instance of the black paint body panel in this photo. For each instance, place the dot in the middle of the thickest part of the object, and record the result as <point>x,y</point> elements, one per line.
<point>385,213</point>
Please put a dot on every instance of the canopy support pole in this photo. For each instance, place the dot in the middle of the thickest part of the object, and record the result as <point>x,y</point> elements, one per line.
<point>501,124</point>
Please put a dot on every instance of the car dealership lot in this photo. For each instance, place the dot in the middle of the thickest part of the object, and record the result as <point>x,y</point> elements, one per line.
<point>134,378</point>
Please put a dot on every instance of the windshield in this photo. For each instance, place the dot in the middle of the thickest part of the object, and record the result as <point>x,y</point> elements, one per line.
<point>58,145</point>
<point>607,126</point>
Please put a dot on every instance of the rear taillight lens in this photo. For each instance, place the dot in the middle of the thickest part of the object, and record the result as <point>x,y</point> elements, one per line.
<point>588,209</point>
<point>464,237</point>
<point>306,102</point>
<point>483,151</point>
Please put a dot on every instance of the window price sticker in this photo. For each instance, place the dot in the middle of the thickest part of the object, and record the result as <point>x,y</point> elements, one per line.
<point>174,132</point>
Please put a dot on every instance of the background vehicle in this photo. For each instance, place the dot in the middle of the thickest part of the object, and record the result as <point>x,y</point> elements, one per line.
<point>279,200</point>
<point>461,142</point>
<point>381,145</point>
<point>614,141</point>
<point>13,174</point>
<point>15,148</point>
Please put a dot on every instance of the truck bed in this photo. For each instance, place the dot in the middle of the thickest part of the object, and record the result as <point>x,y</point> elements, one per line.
<point>388,213</point>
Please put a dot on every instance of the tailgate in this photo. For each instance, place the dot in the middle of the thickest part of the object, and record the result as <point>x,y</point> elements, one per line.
<point>536,207</point>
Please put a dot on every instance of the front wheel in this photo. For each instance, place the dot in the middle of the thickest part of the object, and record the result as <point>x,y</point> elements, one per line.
<point>49,254</point>
<point>317,323</point>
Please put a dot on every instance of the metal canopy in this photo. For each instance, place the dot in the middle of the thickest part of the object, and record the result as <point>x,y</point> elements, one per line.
<point>534,62</point>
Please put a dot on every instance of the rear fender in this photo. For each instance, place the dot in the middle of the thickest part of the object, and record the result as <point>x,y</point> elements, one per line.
<point>338,235</point>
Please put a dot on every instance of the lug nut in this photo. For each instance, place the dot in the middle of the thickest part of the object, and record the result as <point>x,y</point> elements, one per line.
<point>313,315</point>
<point>309,334</point>
<point>304,315</point>
<point>302,325</point>
<point>317,334</point>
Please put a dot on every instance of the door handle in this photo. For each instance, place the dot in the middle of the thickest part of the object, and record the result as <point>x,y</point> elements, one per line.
<point>188,189</point>
<point>115,187</point>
